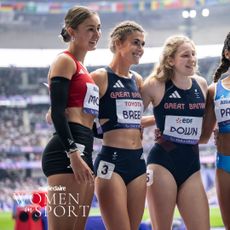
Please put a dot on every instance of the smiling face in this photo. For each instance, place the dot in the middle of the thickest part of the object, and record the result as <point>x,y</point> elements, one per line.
<point>87,34</point>
<point>132,48</point>
<point>184,60</point>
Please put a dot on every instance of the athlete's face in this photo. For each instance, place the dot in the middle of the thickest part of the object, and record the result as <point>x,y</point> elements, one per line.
<point>184,62</point>
<point>88,33</point>
<point>132,49</point>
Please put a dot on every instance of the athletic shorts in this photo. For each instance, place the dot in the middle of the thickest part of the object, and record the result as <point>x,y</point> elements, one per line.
<point>223,162</point>
<point>129,164</point>
<point>181,160</point>
<point>54,158</point>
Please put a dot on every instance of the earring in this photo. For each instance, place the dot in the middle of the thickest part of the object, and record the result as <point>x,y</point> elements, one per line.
<point>72,38</point>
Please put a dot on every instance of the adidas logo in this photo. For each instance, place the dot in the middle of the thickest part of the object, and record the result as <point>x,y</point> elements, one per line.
<point>118,84</point>
<point>175,94</point>
<point>81,72</point>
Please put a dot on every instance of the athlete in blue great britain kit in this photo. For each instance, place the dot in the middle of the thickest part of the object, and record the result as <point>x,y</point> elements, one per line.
<point>178,98</point>
<point>120,166</point>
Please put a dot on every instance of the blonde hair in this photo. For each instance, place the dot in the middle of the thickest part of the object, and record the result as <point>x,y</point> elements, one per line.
<point>122,31</point>
<point>163,70</point>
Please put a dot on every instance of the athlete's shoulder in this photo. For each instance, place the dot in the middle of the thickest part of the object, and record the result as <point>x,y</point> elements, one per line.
<point>212,88</point>
<point>100,78</point>
<point>202,82</point>
<point>63,58</point>
<point>138,78</point>
<point>99,73</point>
<point>63,65</point>
<point>136,74</point>
<point>153,89</point>
<point>200,79</point>
<point>153,82</point>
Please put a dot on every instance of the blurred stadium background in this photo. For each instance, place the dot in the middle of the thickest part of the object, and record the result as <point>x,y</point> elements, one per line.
<point>29,40</point>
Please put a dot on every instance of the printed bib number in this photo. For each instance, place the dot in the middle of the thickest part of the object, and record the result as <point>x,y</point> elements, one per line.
<point>91,100</point>
<point>181,129</point>
<point>105,169</point>
<point>222,111</point>
<point>129,112</point>
<point>149,177</point>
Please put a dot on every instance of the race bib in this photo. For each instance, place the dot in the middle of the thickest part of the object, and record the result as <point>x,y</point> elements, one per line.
<point>105,169</point>
<point>181,129</point>
<point>222,111</point>
<point>129,112</point>
<point>91,100</point>
<point>149,177</point>
<point>81,148</point>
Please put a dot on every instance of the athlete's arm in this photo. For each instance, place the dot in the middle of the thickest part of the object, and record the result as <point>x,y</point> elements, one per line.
<point>209,120</point>
<point>60,74</point>
<point>146,92</point>
<point>147,120</point>
<point>139,80</point>
<point>100,78</point>
<point>59,87</point>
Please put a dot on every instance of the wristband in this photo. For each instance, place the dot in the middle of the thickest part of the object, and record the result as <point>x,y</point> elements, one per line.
<point>73,148</point>
<point>68,153</point>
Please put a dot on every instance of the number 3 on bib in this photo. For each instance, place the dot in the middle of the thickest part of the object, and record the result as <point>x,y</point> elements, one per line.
<point>105,170</point>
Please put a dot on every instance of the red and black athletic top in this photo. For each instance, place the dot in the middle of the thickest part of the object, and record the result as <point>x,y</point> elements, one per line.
<point>78,87</point>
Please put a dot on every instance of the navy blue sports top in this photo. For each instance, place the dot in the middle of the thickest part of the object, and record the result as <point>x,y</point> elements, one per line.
<point>180,112</point>
<point>121,103</point>
<point>222,107</point>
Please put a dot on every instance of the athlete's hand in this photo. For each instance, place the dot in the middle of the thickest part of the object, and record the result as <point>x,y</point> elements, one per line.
<point>82,172</point>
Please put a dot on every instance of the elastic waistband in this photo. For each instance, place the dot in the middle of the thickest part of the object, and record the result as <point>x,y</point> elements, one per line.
<point>78,126</point>
<point>109,149</point>
<point>112,125</point>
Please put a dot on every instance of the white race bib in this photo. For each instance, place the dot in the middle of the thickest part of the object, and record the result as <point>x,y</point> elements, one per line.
<point>149,177</point>
<point>129,112</point>
<point>81,148</point>
<point>105,169</point>
<point>183,129</point>
<point>91,100</point>
<point>222,111</point>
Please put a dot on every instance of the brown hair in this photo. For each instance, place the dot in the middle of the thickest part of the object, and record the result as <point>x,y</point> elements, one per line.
<point>74,17</point>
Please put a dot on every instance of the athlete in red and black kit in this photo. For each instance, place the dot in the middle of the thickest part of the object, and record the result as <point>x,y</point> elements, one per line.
<point>67,158</point>
<point>82,93</point>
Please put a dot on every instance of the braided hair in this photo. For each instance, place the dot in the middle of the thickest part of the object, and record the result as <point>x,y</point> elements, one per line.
<point>225,62</point>
<point>122,31</point>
